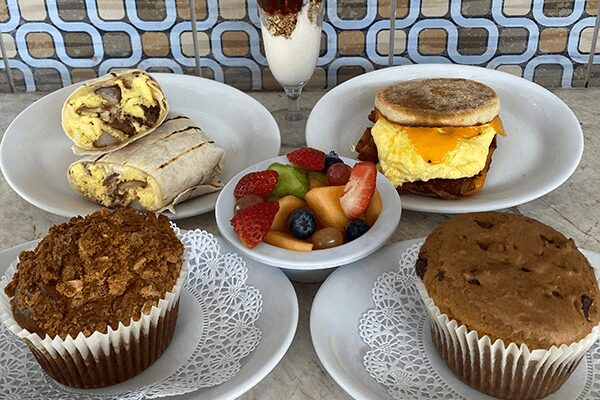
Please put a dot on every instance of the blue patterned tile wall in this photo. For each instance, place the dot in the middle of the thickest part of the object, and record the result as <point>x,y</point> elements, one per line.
<point>51,43</point>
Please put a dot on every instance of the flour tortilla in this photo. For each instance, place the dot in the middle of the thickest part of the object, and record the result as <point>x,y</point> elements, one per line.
<point>178,155</point>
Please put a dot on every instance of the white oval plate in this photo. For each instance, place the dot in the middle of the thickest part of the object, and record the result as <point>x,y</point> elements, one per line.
<point>543,146</point>
<point>35,152</point>
<point>265,253</point>
<point>334,322</point>
<point>278,321</point>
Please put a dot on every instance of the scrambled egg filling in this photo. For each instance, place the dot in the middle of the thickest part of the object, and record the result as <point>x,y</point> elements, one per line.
<point>89,127</point>
<point>408,154</point>
<point>92,182</point>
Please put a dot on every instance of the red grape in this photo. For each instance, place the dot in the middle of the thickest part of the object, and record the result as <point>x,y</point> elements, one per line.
<point>338,174</point>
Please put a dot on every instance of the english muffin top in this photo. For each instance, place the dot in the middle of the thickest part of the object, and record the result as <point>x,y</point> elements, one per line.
<point>438,102</point>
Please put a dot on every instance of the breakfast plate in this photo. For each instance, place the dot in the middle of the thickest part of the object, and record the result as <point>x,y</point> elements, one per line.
<point>541,150</point>
<point>180,370</point>
<point>336,317</point>
<point>35,152</point>
<point>307,266</point>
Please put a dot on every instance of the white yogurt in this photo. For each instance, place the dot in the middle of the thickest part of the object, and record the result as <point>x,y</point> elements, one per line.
<point>292,60</point>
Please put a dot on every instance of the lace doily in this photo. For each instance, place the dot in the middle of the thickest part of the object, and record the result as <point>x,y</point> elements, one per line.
<point>394,332</point>
<point>224,314</point>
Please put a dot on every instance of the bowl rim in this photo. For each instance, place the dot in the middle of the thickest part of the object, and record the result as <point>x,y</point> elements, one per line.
<point>375,238</point>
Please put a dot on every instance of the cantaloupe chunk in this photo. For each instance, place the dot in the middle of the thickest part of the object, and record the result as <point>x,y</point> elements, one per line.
<point>374,209</point>
<point>325,204</point>
<point>286,241</point>
<point>287,204</point>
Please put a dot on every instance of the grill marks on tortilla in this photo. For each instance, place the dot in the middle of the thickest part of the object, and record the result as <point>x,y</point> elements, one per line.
<point>175,117</point>
<point>173,133</point>
<point>183,153</point>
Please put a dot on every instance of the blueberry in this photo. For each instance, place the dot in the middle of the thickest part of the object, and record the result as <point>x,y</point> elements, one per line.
<point>302,223</point>
<point>355,229</point>
<point>330,159</point>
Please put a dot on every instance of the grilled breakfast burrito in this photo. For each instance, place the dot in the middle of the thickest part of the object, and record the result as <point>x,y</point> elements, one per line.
<point>172,164</point>
<point>107,113</point>
<point>434,137</point>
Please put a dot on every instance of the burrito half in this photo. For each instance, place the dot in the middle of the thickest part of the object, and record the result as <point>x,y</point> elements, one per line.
<point>107,113</point>
<point>172,164</point>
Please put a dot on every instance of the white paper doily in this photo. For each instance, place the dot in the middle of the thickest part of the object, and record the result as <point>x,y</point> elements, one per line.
<point>394,331</point>
<point>215,331</point>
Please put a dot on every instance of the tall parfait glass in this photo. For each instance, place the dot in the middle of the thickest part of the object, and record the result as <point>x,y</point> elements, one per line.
<point>291,32</point>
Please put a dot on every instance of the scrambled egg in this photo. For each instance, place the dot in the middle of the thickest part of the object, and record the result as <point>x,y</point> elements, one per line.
<point>408,154</point>
<point>90,182</point>
<point>88,128</point>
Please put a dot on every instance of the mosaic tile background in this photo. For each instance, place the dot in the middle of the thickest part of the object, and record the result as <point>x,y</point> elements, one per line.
<point>52,43</point>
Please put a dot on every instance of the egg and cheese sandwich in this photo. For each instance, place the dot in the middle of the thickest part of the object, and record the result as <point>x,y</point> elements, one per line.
<point>112,111</point>
<point>434,137</point>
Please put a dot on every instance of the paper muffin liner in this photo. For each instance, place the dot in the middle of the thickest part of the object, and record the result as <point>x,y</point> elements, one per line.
<point>101,359</point>
<point>506,372</point>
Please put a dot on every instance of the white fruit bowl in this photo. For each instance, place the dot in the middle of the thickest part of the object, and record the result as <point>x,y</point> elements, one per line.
<point>315,265</point>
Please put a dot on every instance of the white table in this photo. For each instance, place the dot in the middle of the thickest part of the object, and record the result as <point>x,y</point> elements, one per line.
<point>573,209</point>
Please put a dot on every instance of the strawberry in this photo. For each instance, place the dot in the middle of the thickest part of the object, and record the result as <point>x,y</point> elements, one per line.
<point>359,190</point>
<point>308,158</point>
<point>260,183</point>
<point>253,223</point>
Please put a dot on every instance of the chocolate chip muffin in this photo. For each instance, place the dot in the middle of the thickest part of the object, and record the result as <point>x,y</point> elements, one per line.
<point>519,283</point>
<point>107,276</point>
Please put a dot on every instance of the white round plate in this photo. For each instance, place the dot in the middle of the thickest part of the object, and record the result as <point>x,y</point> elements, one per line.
<point>376,237</point>
<point>35,152</point>
<point>278,321</point>
<point>543,146</point>
<point>334,324</point>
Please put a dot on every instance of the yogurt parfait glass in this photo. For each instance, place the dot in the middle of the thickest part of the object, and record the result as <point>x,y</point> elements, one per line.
<point>291,31</point>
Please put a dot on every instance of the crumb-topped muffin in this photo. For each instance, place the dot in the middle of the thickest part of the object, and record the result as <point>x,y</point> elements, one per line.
<point>95,272</point>
<point>94,276</point>
<point>511,278</point>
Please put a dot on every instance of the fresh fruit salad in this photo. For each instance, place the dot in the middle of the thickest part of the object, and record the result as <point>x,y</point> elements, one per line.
<point>315,202</point>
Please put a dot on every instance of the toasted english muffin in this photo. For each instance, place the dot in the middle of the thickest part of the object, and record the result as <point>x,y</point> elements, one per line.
<point>438,102</point>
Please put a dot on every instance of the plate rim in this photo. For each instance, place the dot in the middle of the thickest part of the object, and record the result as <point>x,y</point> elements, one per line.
<point>438,69</point>
<point>320,344</point>
<point>39,203</point>
<point>297,263</point>
<point>259,375</point>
